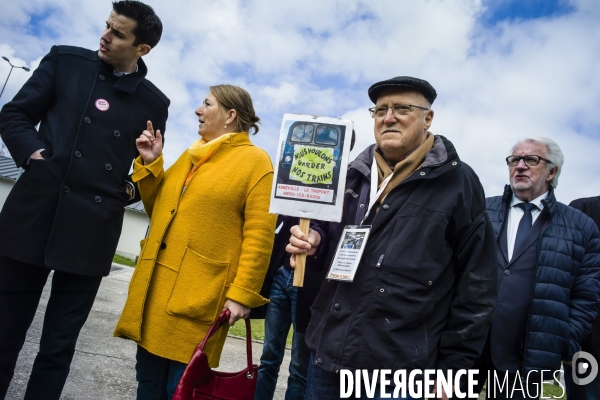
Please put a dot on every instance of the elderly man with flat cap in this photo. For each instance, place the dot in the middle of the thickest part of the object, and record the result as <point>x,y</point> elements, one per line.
<point>426,286</point>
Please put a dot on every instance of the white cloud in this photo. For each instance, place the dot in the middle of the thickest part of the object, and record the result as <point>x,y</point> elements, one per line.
<point>495,85</point>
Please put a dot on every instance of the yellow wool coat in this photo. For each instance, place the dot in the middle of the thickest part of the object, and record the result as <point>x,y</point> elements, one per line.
<point>208,244</point>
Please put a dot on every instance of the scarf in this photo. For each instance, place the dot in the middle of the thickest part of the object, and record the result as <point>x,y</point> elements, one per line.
<point>201,151</point>
<point>403,169</point>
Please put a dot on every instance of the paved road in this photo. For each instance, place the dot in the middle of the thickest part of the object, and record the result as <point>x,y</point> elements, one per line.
<point>103,366</point>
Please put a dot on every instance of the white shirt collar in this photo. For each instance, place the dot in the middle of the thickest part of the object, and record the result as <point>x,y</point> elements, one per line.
<point>125,73</point>
<point>537,201</point>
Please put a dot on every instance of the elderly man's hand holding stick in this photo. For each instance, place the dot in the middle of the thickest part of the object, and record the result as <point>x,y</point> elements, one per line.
<point>303,242</point>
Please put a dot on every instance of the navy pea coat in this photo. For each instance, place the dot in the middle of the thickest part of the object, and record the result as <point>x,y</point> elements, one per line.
<point>66,212</point>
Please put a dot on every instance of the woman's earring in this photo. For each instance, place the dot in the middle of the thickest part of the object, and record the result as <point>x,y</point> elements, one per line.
<point>225,126</point>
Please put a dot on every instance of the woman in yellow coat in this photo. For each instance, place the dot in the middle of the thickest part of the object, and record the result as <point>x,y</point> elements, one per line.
<point>209,243</point>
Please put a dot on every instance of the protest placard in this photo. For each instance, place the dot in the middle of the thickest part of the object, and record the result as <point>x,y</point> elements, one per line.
<point>311,167</point>
<point>310,173</point>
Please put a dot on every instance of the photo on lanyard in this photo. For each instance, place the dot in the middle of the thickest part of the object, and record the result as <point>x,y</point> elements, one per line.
<point>348,253</point>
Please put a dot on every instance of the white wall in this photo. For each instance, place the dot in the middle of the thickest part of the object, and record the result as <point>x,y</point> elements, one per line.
<point>135,225</point>
<point>5,187</point>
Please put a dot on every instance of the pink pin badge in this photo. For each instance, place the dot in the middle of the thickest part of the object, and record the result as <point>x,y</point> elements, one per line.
<point>102,105</point>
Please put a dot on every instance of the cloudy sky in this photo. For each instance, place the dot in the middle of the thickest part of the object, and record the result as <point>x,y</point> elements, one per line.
<point>503,69</point>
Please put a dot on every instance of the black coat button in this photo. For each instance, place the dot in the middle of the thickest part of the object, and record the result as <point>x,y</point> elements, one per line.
<point>320,360</point>
<point>87,120</point>
<point>117,133</point>
<point>101,77</point>
<point>66,189</point>
<point>77,153</point>
<point>337,306</point>
<point>108,167</point>
<point>385,206</point>
<point>163,245</point>
<point>98,199</point>
<point>506,272</point>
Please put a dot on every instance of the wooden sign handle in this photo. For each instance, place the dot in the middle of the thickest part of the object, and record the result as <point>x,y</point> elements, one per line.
<point>301,258</point>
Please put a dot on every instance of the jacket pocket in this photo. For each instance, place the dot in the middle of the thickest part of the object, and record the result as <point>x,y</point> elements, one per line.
<point>199,288</point>
<point>393,300</point>
<point>418,249</point>
<point>395,330</point>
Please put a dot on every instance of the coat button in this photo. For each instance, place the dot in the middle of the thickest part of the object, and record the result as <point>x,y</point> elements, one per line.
<point>77,153</point>
<point>454,163</point>
<point>163,245</point>
<point>101,77</point>
<point>506,272</point>
<point>97,199</point>
<point>66,189</point>
<point>117,133</point>
<point>382,290</point>
<point>385,207</point>
<point>337,306</point>
<point>422,173</point>
<point>362,206</point>
<point>87,120</point>
<point>320,360</point>
<point>108,167</point>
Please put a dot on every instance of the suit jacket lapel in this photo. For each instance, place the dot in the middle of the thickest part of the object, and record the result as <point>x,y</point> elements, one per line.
<point>532,236</point>
<point>503,241</point>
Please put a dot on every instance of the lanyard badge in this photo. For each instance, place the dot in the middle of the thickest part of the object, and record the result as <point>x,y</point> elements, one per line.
<point>348,253</point>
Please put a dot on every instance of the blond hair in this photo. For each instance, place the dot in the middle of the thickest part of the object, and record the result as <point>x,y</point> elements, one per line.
<point>238,99</point>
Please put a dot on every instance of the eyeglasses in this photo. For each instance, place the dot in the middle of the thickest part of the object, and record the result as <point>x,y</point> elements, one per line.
<point>398,110</point>
<point>529,160</point>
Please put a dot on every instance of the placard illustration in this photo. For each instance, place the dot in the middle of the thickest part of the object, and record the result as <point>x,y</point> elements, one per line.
<point>311,163</point>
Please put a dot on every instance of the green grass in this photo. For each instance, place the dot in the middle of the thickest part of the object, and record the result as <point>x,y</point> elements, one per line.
<point>550,392</point>
<point>554,392</point>
<point>258,330</point>
<point>123,260</point>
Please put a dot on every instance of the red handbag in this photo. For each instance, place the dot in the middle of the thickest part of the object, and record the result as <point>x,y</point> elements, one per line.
<point>199,382</point>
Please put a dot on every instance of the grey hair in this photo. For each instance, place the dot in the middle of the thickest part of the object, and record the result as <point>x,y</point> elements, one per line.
<point>553,153</point>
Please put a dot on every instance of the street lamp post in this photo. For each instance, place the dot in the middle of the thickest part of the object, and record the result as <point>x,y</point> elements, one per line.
<point>9,72</point>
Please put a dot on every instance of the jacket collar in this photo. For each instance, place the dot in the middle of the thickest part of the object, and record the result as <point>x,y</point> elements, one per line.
<point>439,153</point>
<point>442,151</point>
<point>127,83</point>
<point>362,163</point>
<point>549,202</point>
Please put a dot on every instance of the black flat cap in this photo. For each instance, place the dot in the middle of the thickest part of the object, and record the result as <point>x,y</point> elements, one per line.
<point>407,82</point>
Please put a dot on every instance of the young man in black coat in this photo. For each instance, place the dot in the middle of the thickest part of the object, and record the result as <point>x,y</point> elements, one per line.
<point>65,213</point>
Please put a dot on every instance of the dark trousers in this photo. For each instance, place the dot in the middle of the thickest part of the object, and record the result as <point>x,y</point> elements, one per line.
<point>590,391</point>
<point>71,299</point>
<point>325,385</point>
<point>157,377</point>
<point>494,391</point>
<point>280,315</point>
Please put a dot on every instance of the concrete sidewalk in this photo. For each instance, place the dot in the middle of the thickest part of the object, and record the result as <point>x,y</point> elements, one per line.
<point>104,367</point>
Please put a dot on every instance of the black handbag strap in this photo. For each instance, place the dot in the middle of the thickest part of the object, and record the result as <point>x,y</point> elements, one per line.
<point>219,322</point>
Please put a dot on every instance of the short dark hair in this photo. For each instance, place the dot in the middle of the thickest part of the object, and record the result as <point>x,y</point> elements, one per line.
<point>148,29</point>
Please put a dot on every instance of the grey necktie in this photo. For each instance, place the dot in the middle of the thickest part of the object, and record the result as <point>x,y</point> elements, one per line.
<point>524,224</point>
